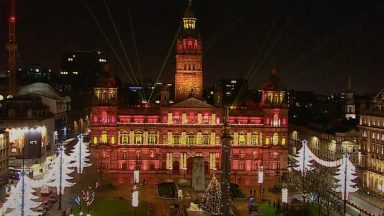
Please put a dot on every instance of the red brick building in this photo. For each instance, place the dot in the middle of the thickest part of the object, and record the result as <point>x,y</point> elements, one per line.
<point>167,136</point>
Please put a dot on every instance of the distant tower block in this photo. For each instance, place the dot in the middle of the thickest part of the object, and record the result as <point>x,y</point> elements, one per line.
<point>12,48</point>
<point>189,60</point>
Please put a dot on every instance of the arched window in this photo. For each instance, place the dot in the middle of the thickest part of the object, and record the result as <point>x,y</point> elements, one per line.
<point>275,140</point>
<point>113,140</point>
<point>104,137</point>
<point>94,140</point>
<point>283,141</point>
<point>206,139</point>
<point>255,139</point>
<point>242,139</point>
<point>176,139</point>
<point>104,117</point>
<point>138,138</point>
<point>267,141</point>
<point>152,137</point>
<point>191,140</point>
<point>124,139</point>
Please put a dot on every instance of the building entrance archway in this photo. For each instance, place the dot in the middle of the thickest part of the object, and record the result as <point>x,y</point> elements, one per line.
<point>176,167</point>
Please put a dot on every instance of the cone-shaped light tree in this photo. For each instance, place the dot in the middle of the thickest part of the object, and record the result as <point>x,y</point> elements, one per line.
<point>80,154</point>
<point>22,200</point>
<point>345,175</point>
<point>59,177</point>
<point>303,159</point>
<point>212,196</point>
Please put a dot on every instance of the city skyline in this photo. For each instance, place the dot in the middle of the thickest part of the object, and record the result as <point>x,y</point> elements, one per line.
<point>308,43</point>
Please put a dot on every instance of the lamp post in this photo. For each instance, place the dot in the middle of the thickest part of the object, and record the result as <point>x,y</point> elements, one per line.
<point>23,185</point>
<point>61,174</point>
<point>260,180</point>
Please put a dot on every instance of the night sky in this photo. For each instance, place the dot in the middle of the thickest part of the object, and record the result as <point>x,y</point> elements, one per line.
<point>314,44</point>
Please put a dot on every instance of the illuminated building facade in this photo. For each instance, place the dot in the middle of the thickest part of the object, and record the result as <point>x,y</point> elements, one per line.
<point>3,158</point>
<point>29,128</point>
<point>167,136</point>
<point>372,144</point>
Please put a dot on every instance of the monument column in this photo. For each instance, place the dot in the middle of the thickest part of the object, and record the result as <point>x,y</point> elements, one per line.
<point>225,202</point>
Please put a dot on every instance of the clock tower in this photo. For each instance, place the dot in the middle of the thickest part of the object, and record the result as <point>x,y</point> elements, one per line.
<point>189,60</point>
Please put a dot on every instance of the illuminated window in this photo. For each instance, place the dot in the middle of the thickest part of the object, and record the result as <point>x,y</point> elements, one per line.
<point>267,141</point>
<point>113,140</point>
<point>152,138</point>
<point>104,117</point>
<point>191,140</point>
<point>124,138</point>
<point>176,139</point>
<point>275,140</point>
<point>104,137</point>
<point>283,141</point>
<point>255,139</point>
<point>206,139</point>
<point>138,138</point>
<point>125,155</point>
<point>94,140</point>
<point>242,139</point>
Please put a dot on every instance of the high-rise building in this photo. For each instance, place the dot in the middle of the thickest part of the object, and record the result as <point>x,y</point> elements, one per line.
<point>372,145</point>
<point>166,137</point>
<point>189,59</point>
<point>81,69</point>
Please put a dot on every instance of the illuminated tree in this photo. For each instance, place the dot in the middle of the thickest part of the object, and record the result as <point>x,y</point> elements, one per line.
<point>80,154</point>
<point>346,173</point>
<point>59,176</point>
<point>22,199</point>
<point>212,195</point>
<point>303,159</point>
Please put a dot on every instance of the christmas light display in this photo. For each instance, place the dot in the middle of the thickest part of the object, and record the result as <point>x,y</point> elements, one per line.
<point>212,195</point>
<point>22,200</point>
<point>303,159</point>
<point>79,154</point>
<point>60,172</point>
<point>88,197</point>
<point>344,175</point>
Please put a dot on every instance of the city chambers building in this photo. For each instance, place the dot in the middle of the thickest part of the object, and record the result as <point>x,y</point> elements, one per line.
<point>166,137</point>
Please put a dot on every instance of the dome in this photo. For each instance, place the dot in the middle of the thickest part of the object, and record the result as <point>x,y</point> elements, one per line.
<point>40,90</point>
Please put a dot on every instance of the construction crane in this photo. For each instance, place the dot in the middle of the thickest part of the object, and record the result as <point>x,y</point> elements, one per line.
<point>12,48</point>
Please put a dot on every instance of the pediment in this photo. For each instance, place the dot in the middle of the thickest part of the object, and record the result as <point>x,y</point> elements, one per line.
<point>192,103</point>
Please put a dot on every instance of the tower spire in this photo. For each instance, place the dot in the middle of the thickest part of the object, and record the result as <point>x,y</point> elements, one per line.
<point>12,48</point>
